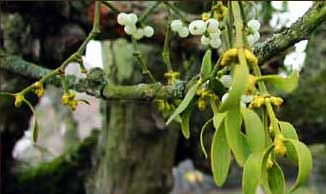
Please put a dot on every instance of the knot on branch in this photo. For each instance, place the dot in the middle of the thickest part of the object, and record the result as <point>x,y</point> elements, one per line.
<point>94,82</point>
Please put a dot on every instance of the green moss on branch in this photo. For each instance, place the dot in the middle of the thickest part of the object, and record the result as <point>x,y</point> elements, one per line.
<point>300,30</point>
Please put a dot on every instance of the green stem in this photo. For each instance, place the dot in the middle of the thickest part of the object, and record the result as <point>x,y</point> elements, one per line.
<point>166,50</point>
<point>238,23</point>
<point>148,11</point>
<point>75,56</point>
<point>272,116</point>
<point>143,66</point>
<point>109,5</point>
<point>239,43</point>
<point>176,11</point>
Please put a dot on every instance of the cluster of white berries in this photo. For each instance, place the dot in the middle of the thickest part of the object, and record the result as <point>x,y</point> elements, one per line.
<point>129,21</point>
<point>179,27</point>
<point>209,30</point>
<point>253,36</point>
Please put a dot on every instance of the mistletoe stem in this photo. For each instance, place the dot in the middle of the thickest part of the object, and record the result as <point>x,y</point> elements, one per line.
<point>75,56</point>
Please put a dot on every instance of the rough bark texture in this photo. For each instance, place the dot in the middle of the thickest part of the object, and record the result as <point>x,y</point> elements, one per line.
<point>137,156</point>
<point>300,30</point>
<point>136,150</point>
<point>305,107</point>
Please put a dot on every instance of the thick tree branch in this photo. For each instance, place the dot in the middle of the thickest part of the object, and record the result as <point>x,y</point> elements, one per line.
<point>300,30</point>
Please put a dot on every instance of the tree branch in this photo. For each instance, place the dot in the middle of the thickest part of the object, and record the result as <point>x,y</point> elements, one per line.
<point>94,84</point>
<point>300,30</point>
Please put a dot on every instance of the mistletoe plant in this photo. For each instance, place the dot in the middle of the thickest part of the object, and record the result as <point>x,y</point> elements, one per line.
<point>244,120</point>
<point>253,134</point>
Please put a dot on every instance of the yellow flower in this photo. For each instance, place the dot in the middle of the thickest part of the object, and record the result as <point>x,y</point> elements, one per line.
<point>220,11</point>
<point>251,83</point>
<point>171,76</point>
<point>277,101</point>
<point>279,147</point>
<point>18,100</point>
<point>257,102</point>
<point>68,98</point>
<point>251,58</point>
<point>38,89</point>
<point>205,16</point>
<point>201,104</point>
<point>229,56</point>
<point>270,163</point>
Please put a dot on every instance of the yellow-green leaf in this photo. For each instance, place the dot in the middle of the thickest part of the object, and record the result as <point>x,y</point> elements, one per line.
<point>185,102</point>
<point>217,120</point>
<point>35,129</point>
<point>288,130</point>
<point>206,66</point>
<point>255,132</point>
<point>233,135</point>
<point>304,162</point>
<point>202,136</point>
<point>220,156</point>
<point>252,173</point>
<point>283,84</point>
<point>276,180</point>
<point>239,83</point>
<point>185,116</point>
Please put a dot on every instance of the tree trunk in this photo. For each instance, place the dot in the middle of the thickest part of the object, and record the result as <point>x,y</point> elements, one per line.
<point>136,151</point>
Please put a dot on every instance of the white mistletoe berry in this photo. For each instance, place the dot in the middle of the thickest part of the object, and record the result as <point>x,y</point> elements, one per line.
<point>130,29</point>
<point>253,38</point>
<point>183,32</point>
<point>148,31</point>
<point>226,80</point>
<point>225,96</point>
<point>215,42</point>
<point>197,27</point>
<point>138,34</point>
<point>212,25</point>
<point>176,25</point>
<point>122,18</point>
<point>215,35</point>
<point>256,36</point>
<point>205,40</point>
<point>132,19</point>
<point>254,25</point>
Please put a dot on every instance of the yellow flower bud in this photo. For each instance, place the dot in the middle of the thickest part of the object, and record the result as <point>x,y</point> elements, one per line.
<point>270,163</point>
<point>171,76</point>
<point>277,101</point>
<point>257,102</point>
<point>65,98</point>
<point>18,100</point>
<point>73,104</point>
<point>279,147</point>
<point>205,16</point>
<point>220,11</point>
<point>229,56</point>
<point>38,89</point>
<point>251,83</point>
<point>201,104</point>
<point>280,150</point>
<point>251,58</point>
<point>69,99</point>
